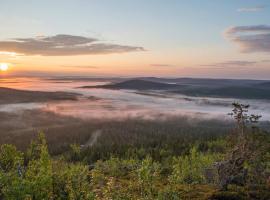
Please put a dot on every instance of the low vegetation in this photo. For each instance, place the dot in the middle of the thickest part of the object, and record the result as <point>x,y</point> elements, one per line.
<point>144,164</point>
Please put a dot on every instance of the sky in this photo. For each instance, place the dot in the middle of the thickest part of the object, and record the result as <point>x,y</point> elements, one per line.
<point>165,38</point>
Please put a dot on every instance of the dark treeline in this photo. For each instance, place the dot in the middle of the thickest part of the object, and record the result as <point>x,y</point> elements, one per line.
<point>139,138</point>
<point>116,137</point>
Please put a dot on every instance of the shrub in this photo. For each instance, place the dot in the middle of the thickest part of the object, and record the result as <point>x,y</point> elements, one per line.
<point>190,169</point>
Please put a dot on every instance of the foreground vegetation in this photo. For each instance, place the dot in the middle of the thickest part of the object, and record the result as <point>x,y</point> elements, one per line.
<point>150,165</point>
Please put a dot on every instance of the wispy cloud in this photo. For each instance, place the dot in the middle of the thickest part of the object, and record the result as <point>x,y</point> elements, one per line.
<point>266,61</point>
<point>250,38</point>
<point>161,65</point>
<point>63,45</point>
<point>232,63</point>
<point>79,66</point>
<point>235,64</point>
<point>252,9</point>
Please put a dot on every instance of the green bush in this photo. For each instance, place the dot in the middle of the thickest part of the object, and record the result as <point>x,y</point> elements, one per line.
<point>190,169</point>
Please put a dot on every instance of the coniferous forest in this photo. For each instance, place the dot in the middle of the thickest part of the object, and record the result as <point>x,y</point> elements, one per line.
<point>135,161</point>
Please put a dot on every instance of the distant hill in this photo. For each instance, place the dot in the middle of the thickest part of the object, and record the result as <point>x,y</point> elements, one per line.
<point>243,89</point>
<point>10,96</point>
<point>264,84</point>
<point>240,92</point>
<point>137,84</point>
<point>205,81</point>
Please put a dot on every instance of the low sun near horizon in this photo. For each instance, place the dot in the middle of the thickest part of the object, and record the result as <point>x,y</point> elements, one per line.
<point>4,67</point>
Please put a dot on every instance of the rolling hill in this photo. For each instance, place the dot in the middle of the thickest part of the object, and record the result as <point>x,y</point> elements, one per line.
<point>137,84</point>
<point>11,96</point>
<point>225,88</point>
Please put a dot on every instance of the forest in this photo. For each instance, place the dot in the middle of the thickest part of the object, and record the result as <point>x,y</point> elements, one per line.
<point>179,158</point>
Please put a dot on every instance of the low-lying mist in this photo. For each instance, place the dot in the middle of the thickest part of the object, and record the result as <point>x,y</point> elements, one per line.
<point>21,127</point>
<point>98,114</point>
<point>121,104</point>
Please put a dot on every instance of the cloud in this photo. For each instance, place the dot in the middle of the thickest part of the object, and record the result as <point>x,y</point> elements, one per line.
<point>236,63</point>
<point>250,38</point>
<point>63,45</point>
<point>265,61</point>
<point>252,9</point>
<point>80,66</point>
<point>233,63</point>
<point>161,65</point>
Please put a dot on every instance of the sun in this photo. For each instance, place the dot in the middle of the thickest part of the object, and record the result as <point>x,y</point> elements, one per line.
<point>4,67</point>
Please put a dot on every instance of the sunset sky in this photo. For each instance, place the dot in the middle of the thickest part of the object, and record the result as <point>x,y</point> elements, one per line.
<point>179,38</point>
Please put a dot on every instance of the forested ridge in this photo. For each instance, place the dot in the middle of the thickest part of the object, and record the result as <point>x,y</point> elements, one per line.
<point>145,164</point>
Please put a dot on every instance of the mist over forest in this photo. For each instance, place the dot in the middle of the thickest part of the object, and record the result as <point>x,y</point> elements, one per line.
<point>134,100</point>
<point>119,127</point>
